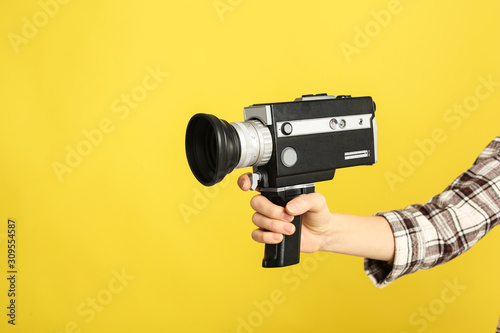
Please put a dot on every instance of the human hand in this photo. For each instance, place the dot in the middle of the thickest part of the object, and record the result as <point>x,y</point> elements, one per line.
<point>273,221</point>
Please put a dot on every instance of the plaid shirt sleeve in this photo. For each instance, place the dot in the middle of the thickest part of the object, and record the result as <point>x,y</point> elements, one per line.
<point>447,225</point>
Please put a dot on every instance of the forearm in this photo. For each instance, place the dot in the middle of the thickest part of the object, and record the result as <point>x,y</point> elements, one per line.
<point>364,236</point>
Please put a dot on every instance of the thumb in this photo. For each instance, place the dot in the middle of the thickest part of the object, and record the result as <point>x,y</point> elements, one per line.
<point>312,202</point>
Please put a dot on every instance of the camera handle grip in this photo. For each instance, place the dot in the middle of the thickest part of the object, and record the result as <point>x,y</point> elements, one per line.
<point>287,252</point>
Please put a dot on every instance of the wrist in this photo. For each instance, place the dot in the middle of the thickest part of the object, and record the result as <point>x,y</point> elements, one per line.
<point>363,236</point>
<point>333,235</point>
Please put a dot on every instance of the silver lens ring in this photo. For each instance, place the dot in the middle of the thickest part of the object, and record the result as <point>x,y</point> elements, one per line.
<point>256,143</point>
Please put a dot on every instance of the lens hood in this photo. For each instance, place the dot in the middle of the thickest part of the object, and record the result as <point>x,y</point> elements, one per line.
<point>212,148</point>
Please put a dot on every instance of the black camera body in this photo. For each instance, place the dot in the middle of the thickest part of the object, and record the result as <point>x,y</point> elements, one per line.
<point>290,145</point>
<point>315,135</point>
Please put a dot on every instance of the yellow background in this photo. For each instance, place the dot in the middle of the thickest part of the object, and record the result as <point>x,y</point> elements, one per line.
<point>122,208</point>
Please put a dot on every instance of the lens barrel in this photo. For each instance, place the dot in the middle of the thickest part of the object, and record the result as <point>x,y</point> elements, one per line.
<point>212,148</point>
<point>256,143</point>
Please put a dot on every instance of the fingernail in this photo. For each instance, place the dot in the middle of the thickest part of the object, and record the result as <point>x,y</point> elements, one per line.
<point>289,228</point>
<point>292,207</point>
<point>277,237</point>
<point>287,217</point>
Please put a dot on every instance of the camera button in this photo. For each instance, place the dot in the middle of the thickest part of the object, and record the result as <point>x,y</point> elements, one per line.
<point>289,157</point>
<point>286,128</point>
<point>333,123</point>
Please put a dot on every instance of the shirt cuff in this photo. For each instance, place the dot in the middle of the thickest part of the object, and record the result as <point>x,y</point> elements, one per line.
<point>409,250</point>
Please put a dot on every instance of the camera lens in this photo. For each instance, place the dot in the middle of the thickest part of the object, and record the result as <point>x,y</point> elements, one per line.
<point>256,143</point>
<point>212,148</point>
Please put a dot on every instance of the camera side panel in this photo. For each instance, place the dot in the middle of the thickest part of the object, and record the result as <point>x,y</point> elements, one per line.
<point>311,139</point>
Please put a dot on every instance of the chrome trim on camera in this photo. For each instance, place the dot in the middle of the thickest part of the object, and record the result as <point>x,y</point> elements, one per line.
<point>351,155</point>
<point>326,125</point>
<point>306,98</point>
<point>286,188</point>
<point>260,112</point>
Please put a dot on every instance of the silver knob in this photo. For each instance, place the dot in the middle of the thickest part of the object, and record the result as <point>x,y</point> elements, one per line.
<point>254,180</point>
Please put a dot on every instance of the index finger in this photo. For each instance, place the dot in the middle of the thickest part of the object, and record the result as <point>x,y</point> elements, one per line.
<point>265,207</point>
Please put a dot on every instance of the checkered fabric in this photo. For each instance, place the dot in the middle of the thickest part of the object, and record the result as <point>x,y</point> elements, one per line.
<point>447,225</point>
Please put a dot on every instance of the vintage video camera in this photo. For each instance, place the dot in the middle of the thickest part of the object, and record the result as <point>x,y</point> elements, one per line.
<point>290,145</point>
